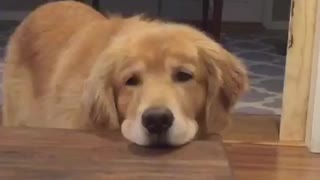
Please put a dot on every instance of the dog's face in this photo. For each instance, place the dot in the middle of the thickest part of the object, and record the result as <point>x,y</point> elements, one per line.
<point>160,91</point>
<point>164,84</point>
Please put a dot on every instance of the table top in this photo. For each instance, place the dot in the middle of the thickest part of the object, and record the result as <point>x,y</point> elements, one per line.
<point>52,154</point>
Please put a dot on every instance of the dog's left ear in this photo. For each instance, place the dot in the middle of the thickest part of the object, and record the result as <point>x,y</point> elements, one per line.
<point>98,100</point>
<point>226,81</point>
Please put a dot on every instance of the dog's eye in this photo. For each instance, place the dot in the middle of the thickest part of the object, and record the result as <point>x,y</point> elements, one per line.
<point>133,81</point>
<point>182,76</point>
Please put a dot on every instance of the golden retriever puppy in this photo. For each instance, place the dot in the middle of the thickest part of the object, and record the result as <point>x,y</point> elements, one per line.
<point>68,66</point>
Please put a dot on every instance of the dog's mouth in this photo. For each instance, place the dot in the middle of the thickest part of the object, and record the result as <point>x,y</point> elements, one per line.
<point>159,140</point>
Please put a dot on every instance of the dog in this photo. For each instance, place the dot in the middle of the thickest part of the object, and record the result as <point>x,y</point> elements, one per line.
<point>68,66</point>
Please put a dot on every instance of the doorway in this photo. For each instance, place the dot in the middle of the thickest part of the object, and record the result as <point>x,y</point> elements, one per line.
<point>257,32</point>
<point>286,125</point>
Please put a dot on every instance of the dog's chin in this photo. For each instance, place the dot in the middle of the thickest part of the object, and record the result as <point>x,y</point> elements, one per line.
<point>180,133</point>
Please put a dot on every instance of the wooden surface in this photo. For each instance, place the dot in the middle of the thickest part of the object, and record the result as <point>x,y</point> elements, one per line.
<point>298,71</point>
<point>256,129</point>
<point>253,129</point>
<point>259,162</point>
<point>62,154</point>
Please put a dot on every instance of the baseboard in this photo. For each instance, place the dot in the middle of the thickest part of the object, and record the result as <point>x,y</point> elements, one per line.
<point>277,25</point>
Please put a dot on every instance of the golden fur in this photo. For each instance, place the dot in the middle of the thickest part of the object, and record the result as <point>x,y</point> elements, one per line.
<point>66,66</point>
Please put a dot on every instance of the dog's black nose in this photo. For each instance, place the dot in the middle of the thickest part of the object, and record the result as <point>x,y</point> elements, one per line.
<point>157,120</point>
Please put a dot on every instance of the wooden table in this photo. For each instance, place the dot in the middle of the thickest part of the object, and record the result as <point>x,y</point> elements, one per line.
<point>48,154</point>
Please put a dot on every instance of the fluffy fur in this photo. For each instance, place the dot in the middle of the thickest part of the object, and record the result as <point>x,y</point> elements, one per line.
<point>66,67</point>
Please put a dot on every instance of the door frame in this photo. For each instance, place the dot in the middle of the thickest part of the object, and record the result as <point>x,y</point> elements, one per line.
<point>313,118</point>
<point>301,96</point>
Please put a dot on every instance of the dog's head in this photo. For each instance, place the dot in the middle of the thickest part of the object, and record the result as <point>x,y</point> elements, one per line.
<point>163,84</point>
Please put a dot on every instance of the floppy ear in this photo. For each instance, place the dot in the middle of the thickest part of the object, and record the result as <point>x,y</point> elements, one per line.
<point>98,98</point>
<point>226,81</point>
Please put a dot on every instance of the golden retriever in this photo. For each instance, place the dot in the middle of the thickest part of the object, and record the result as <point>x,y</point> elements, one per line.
<point>68,66</point>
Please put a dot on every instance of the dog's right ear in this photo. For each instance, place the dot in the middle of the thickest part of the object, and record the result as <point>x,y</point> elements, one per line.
<point>98,98</point>
<point>227,80</point>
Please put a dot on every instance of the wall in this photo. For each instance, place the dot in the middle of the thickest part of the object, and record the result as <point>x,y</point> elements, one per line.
<point>235,10</point>
<point>17,5</point>
<point>178,9</point>
<point>281,10</point>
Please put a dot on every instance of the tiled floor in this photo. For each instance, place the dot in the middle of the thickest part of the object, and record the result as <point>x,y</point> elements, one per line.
<point>262,53</point>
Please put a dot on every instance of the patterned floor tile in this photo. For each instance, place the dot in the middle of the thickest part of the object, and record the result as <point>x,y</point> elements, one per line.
<point>276,103</point>
<point>265,59</point>
<point>267,70</point>
<point>272,85</point>
<point>253,110</point>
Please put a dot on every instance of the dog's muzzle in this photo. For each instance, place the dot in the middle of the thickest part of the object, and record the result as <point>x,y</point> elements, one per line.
<point>157,120</point>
